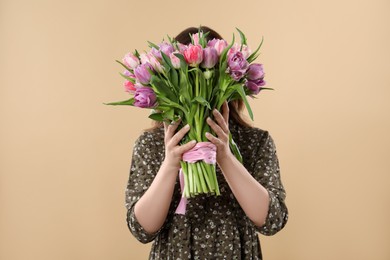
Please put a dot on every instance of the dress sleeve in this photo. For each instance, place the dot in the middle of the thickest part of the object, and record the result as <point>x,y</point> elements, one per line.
<point>143,169</point>
<point>267,173</point>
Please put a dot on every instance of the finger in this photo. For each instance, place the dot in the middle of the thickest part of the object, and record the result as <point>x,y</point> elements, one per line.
<point>186,147</point>
<point>171,128</point>
<point>221,121</point>
<point>225,112</point>
<point>165,126</point>
<point>213,139</point>
<point>217,129</point>
<point>179,135</point>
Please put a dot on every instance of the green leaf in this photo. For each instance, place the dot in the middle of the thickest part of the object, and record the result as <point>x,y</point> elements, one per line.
<point>250,58</point>
<point>229,92</point>
<point>169,114</point>
<point>136,53</point>
<point>128,78</point>
<point>152,45</point>
<point>156,117</point>
<point>243,96</point>
<point>243,38</point>
<point>202,101</point>
<point>170,39</point>
<point>167,60</point>
<point>224,53</point>
<point>127,68</point>
<point>160,87</point>
<point>234,148</point>
<point>185,90</point>
<point>183,63</point>
<point>129,102</point>
<point>174,78</point>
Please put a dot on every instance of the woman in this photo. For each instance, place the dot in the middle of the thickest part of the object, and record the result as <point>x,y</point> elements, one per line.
<point>214,227</point>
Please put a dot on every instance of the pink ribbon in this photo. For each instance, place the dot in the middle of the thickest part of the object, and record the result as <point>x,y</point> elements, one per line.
<point>205,151</point>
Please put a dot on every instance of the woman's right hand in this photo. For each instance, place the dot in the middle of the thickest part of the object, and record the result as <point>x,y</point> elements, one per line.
<point>174,151</point>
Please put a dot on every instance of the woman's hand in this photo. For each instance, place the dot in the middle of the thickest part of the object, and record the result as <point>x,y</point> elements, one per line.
<point>174,151</point>
<point>222,131</point>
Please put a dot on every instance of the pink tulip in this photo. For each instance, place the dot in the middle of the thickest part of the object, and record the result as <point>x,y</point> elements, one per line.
<point>129,86</point>
<point>182,47</point>
<point>246,51</point>
<point>131,61</point>
<point>152,60</point>
<point>175,60</point>
<point>236,47</point>
<point>195,38</point>
<point>218,44</point>
<point>193,55</point>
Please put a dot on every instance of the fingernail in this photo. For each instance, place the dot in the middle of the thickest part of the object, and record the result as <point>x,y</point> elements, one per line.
<point>193,141</point>
<point>207,133</point>
<point>187,126</point>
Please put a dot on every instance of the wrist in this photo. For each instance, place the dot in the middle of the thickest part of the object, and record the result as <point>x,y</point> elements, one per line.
<point>170,166</point>
<point>225,159</point>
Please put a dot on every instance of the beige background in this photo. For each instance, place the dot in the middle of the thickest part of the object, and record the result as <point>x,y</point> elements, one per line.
<point>65,157</point>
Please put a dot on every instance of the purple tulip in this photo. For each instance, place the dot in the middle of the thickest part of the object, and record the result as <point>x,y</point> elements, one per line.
<point>144,97</point>
<point>254,86</point>
<point>142,74</point>
<point>237,65</point>
<point>255,71</point>
<point>164,47</point>
<point>128,74</point>
<point>210,58</point>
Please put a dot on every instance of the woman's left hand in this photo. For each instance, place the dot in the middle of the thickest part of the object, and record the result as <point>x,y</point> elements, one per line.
<point>222,131</point>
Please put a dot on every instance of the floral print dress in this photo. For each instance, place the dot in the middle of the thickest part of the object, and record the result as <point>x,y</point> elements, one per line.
<point>214,227</point>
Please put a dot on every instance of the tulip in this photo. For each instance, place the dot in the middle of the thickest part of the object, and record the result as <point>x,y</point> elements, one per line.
<point>129,86</point>
<point>218,44</point>
<point>237,65</point>
<point>152,60</point>
<point>195,37</point>
<point>131,61</point>
<point>236,47</point>
<point>182,47</point>
<point>254,86</point>
<point>142,73</point>
<point>255,71</point>
<point>128,74</point>
<point>210,58</point>
<point>175,60</point>
<point>145,97</point>
<point>193,55</point>
<point>164,47</point>
<point>246,51</point>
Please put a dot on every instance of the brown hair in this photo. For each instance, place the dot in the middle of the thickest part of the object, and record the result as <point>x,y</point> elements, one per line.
<point>235,106</point>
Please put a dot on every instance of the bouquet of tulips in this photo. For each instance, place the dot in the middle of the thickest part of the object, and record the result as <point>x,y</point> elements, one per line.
<point>188,81</point>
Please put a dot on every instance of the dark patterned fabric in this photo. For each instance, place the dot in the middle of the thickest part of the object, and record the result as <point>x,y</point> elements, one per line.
<point>214,227</point>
